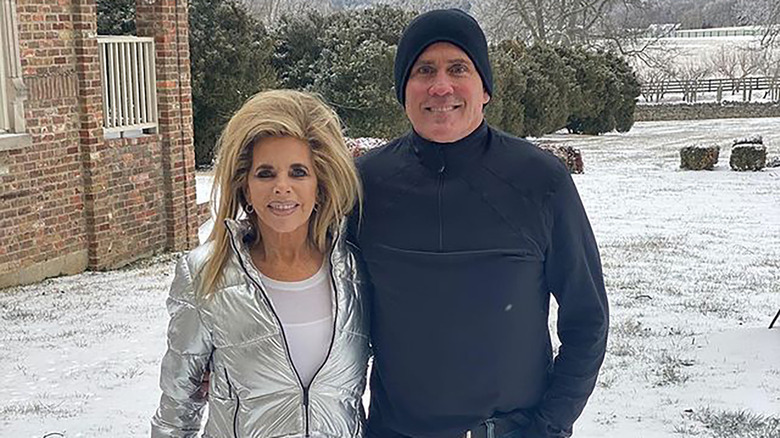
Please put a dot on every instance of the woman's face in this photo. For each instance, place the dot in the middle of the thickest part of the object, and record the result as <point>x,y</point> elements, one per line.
<point>282,185</point>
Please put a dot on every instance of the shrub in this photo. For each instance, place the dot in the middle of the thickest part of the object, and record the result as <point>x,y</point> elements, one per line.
<point>505,110</point>
<point>347,57</point>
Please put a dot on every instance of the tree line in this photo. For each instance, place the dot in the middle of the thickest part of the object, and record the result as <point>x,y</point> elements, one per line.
<point>347,57</point>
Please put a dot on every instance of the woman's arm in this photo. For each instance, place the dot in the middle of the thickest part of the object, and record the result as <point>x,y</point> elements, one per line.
<point>185,362</point>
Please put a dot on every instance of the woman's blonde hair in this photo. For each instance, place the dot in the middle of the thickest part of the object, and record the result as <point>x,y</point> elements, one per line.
<point>280,113</point>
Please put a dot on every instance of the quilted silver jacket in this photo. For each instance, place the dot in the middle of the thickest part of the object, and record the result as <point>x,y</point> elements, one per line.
<point>254,391</point>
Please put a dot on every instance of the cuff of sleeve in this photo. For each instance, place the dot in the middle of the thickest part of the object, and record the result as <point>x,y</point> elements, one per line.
<point>539,428</point>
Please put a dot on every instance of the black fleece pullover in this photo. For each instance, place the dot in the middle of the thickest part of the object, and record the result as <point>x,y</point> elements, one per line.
<point>464,243</point>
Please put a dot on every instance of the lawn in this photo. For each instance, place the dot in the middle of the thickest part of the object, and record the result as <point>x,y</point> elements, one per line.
<point>692,267</point>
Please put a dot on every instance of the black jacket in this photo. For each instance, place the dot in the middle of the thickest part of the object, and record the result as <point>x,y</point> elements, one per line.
<point>464,243</point>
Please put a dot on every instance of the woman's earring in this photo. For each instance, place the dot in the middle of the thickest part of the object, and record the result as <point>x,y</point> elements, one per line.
<point>249,209</point>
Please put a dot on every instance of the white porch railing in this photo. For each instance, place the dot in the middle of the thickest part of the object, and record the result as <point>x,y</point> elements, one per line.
<point>129,84</point>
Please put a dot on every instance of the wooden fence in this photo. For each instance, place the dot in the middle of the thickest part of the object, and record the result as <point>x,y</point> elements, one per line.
<point>690,89</point>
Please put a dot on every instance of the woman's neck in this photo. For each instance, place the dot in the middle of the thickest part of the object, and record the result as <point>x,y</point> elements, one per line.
<point>286,256</point>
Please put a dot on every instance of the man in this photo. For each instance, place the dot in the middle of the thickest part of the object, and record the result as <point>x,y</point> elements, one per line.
<point>465,232</point>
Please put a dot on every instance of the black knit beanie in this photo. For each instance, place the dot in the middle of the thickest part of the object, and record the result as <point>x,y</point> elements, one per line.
<point>449,25</point>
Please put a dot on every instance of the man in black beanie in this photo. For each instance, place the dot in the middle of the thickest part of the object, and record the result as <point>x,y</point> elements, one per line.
<point>466,232</point>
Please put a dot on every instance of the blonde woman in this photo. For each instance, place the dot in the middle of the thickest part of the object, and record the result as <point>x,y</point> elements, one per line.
<point>271,306</point>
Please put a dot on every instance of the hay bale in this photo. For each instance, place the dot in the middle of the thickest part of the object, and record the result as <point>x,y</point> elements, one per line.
<point>569,155</point>
<point>748,157</point>
<point>753,139</point>
<point>699,157</point>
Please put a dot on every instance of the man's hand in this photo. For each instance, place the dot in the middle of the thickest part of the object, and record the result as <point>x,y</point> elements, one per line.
<point>204,386</point>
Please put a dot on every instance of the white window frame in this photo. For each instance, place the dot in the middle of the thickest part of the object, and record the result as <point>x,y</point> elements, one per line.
<point>12,90</point>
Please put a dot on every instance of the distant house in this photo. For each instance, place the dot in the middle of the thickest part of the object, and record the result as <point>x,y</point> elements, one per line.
<point>96,156</point>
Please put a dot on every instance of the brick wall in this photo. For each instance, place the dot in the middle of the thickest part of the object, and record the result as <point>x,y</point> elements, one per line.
<point>133,200</point>
<point>73,200</point>
<point>167,22</point>
<point>42,222</point>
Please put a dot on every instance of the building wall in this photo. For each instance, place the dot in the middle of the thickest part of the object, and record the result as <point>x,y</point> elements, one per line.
<point>42,225</point>
<point>70,199</point>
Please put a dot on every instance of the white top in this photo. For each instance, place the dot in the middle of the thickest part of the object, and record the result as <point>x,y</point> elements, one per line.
<point>304,307</point>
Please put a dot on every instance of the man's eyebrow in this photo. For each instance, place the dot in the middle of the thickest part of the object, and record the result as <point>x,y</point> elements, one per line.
<point>449,61</point>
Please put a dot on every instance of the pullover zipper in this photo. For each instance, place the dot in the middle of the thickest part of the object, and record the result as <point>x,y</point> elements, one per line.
<point>439,196</point>
<point>304,388</point>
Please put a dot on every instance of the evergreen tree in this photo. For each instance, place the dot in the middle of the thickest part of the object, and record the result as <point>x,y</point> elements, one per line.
<point>230,55</point>
<point>347,57</point>
<point>505,110</point>
<point>116,17</point>
<point>549,84</point>
<point>298,45</point>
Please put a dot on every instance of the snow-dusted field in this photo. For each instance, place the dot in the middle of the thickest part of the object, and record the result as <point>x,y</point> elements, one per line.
<point>692,267</point>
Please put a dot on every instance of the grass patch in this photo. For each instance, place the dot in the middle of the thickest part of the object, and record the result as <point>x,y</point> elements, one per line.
<point>670,370</point>
<point>738,424</point>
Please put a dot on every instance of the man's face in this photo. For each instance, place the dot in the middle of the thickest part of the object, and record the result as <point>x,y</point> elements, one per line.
<point>444,94</point>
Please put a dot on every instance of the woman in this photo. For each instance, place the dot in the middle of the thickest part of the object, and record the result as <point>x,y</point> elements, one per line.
<point>271,306</point>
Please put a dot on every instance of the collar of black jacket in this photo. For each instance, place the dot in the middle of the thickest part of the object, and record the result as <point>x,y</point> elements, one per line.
<point>451,158</point>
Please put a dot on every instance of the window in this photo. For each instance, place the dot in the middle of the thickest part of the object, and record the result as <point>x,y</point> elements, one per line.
<point>12,91</point>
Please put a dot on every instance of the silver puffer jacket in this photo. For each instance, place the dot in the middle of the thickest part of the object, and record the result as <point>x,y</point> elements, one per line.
<point>254,390</point>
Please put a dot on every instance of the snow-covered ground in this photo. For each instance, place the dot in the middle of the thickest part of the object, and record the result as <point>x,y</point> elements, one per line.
<point>691,262</point>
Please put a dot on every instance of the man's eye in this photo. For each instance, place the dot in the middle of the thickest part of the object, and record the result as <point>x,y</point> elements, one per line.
<point>425,70</point>
<point>459,69</point>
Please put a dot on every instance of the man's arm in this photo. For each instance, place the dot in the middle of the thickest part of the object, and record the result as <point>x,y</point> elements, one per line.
<point>573,274</point>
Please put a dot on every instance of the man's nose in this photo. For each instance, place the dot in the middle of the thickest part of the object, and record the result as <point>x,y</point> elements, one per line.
<point>441,86</point>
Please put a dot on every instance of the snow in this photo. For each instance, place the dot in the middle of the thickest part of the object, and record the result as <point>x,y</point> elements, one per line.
<point>691,263</point>
<point>203,182</point>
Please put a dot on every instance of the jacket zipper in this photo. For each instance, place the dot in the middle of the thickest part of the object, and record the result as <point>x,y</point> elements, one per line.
<point>441,189</point>
<point>238,404</point>
<point>332,333</point>
<point>304,389</point>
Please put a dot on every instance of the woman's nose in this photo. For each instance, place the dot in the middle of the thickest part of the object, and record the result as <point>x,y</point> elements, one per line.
<point>282,187</point>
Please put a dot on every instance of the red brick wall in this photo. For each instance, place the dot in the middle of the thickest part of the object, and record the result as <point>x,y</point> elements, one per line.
<point>133,201</point>
<point>41,205</point>
<point>167,22</point>
<point>73,200</point>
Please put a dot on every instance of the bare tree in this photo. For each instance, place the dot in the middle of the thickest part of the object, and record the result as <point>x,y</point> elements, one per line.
<point>270,11</point>
<point>770,67</point>
<point>764,13</point>
<point>725,62</point>
<point>427,5</point>
<point>690,74</point>
<point>553,21</point>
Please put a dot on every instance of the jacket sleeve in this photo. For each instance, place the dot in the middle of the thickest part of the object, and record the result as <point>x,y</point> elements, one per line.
<point>184,364</point>
<point>574,277</point>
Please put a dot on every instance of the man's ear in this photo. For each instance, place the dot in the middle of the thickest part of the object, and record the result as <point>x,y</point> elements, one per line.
<point>485,98</point>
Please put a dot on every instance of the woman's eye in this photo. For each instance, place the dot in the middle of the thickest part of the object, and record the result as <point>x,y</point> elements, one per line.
<point>265,174</point>
<point>298,172</point>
